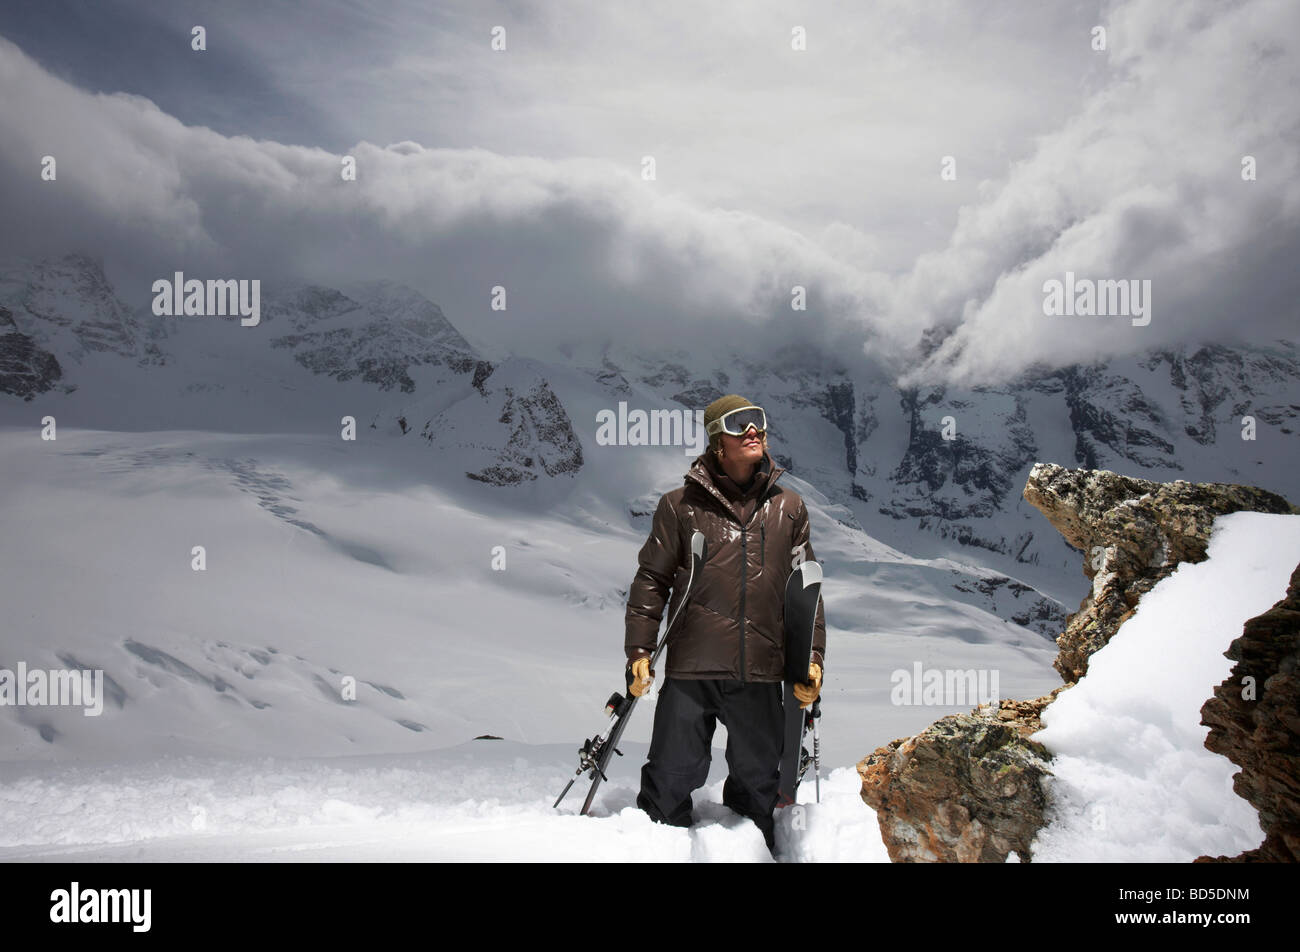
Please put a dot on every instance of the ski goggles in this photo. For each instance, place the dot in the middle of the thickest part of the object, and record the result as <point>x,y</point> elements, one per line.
<point>738,422</point>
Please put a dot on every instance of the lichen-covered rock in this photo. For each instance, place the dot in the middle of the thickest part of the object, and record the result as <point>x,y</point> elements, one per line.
<point>1260,732</point>
<point>1133,533</point>
<point>966,789</point>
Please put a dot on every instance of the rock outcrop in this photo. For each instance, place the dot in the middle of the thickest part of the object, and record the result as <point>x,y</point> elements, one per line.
<point>964,790</point>
<point>1254,721</point>
<point>1133,533</point>
<point>967,788</point>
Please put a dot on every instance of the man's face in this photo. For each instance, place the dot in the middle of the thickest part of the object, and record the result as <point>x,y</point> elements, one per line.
<point>743,449</point>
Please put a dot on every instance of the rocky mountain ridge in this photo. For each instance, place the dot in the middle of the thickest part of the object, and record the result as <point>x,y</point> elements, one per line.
<point>969,787</point>
<point>416,372</point>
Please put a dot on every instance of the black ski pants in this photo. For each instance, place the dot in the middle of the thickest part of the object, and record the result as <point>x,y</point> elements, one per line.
<point>686,714</point>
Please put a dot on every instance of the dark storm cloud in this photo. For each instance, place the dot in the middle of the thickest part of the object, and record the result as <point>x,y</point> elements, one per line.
<point>142,47</point>
<point>584,250</point>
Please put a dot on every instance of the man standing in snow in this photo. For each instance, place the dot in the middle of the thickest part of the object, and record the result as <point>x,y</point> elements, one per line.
<point>725,657</point>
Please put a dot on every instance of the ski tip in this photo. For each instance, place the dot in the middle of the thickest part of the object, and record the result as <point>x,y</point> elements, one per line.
<point>812,572</point>
<point>697,544</point>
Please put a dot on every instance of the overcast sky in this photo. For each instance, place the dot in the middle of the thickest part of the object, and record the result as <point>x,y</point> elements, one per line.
<point>774,166</point>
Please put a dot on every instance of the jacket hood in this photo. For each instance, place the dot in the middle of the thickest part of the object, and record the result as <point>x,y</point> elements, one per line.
<point>705,472</point>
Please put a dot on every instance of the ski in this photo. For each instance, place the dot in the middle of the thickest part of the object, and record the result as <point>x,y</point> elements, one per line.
<point>595,753</point>
<point>802,593</point>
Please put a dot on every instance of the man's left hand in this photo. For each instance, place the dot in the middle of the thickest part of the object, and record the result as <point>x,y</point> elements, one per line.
<point>807,692</point>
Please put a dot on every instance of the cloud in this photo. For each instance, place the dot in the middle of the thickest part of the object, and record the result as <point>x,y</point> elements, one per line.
<point>1145,182</point>
<point>585,249</point>
<point>1139,178</point>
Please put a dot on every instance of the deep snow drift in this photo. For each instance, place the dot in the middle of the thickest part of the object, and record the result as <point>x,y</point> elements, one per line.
<point>483,801</point>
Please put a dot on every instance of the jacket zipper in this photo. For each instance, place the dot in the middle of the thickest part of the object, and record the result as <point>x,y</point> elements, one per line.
<point>744,555</point>
<point>744,566</point>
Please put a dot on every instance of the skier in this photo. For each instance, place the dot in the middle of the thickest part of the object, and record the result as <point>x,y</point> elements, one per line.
<point>725,658</point>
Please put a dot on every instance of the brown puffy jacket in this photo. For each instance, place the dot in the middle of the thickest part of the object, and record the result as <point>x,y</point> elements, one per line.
<point>732,627</point>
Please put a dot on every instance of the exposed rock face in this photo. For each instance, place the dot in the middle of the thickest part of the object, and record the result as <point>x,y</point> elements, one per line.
<point>64,309</point>
<point>837,405</point>
<point>380,333</point>
<point>1133,533</point>
<point>609,375</point>
<point>1111,415</point>
<point>1005,596</point>
<point>964,790</point>
<point>25,367</point>
<point>966,477</point>
<point>541,437</point>
<point>1260,733</point>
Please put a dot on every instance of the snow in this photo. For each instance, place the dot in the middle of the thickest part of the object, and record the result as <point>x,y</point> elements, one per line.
<point>393,584</point>
<point>1133,780</point>
<point>325,561</point>
<point>482,801</point>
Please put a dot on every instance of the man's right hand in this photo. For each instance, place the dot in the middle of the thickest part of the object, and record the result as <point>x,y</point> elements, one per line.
<point>640,677</point>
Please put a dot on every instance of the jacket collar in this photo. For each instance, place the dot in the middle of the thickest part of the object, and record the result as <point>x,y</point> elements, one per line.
<point>765,477</point>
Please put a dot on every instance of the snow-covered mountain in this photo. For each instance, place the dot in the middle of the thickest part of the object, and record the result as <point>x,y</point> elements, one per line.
<point>69,309</point>
<point>934,470</point>
<point>171,428</point>
<point>377,352</point>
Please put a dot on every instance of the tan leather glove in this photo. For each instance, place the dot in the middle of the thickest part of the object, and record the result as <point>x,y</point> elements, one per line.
<point>807,693</point>
<point>642,677</point>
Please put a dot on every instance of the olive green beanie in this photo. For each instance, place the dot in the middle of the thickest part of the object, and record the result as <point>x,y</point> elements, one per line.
<point>716,409</point>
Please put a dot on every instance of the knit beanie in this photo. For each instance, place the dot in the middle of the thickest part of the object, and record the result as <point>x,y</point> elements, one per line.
<point>716,409</point>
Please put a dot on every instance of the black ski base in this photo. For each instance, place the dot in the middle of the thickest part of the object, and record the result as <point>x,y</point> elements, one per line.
<point>802,595</point>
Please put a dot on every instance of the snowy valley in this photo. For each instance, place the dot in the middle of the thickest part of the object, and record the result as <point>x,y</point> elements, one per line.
<point>366,608</point>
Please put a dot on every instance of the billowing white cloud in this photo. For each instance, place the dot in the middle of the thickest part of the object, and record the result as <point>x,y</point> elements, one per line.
<point>1143,181</point>
<point>585,249</point>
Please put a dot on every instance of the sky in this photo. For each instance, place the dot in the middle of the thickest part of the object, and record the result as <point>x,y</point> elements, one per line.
<point>774,167</point>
